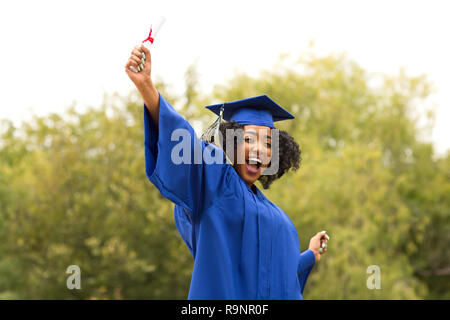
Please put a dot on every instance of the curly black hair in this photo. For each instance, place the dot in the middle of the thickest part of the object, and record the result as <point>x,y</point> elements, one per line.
<point>289,152</point>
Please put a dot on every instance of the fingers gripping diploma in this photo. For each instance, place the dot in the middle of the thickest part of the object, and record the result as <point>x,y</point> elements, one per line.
<point>139,64</point>
<point>318,244</point>
<point>140,59</point>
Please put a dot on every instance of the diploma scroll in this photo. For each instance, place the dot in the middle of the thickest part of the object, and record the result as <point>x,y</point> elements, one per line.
<point>154,29</point>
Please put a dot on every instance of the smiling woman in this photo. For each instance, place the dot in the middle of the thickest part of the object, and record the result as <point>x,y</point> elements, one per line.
<point>243,245</point>
<point>289,157</point>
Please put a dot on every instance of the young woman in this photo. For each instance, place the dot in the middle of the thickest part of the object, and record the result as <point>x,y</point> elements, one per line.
<point>244,246</point>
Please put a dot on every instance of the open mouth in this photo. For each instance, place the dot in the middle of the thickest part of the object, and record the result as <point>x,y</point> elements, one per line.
<point>253,165</point>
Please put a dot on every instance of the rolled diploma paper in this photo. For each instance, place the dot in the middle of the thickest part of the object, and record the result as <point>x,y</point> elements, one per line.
<point>159,22</point>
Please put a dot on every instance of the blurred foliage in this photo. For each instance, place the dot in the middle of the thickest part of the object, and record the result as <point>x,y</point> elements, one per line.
<point>73,190</point>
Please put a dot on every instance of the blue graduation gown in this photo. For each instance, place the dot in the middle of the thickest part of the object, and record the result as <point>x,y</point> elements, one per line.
<point>244,246</point>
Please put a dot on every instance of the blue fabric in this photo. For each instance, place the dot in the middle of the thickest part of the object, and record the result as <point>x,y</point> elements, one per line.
<point>244,246</point>
<point>258,117</point>
<point>259,110</point>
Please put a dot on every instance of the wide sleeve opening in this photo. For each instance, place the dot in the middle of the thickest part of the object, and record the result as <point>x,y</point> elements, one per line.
<point>174,159</point>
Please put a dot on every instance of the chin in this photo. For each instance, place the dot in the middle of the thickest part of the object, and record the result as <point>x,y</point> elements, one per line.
<point>251,180</point>
<point>240,169</point>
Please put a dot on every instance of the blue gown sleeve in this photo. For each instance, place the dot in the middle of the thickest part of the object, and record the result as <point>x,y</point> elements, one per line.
<point>192,183</point>
<point>305,265</point>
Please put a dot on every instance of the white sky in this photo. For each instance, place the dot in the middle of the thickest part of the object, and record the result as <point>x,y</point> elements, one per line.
<point>56,52</point>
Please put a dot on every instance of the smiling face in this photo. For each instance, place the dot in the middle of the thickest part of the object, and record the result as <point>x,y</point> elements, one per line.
<point>256,150</point>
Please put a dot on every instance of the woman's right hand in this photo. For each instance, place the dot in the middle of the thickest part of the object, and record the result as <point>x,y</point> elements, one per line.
<point>135,60</point>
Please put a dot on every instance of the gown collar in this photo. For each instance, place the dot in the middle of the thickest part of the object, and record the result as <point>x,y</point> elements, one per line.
<point>258,193</point>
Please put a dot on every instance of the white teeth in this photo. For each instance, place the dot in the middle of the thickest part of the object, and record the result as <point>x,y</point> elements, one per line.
<point>254,160</point>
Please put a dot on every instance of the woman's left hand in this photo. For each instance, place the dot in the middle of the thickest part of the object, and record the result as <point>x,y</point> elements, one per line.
<point>318,244</point>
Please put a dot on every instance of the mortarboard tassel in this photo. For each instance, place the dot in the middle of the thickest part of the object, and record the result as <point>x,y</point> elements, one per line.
<point>212,132</point>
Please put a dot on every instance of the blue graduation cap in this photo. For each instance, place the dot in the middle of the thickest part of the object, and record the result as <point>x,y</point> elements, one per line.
<point>260,110</point>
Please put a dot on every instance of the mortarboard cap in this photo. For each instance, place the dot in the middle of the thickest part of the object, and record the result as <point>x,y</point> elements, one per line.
<point>260,110</point>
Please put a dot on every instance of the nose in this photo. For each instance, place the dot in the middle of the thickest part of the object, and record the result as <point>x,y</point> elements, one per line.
<point>255,148</point>
<point>259,150</point>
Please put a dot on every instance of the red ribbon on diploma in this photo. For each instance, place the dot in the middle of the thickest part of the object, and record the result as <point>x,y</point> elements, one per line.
<point>149,38</point>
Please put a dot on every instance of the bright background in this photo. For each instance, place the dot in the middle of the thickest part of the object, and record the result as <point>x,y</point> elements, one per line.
<point>73,184</point>
<point>57,52</point>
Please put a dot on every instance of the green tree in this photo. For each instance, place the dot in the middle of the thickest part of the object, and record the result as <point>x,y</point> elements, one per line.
<point>366,177</point>
<point>73,189</point>
<point>79,195</point>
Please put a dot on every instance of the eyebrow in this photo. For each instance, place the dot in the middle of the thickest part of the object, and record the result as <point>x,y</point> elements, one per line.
<point>254,133</point>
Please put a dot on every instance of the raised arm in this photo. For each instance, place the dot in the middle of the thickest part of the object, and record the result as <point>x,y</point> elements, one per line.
<point>143,80</point>
<point>186,180</point>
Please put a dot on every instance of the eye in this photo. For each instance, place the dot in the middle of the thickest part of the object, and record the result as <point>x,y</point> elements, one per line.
<point>248,139</point>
